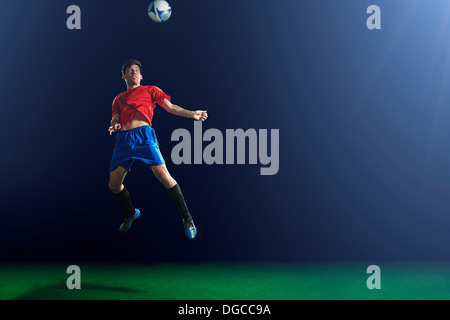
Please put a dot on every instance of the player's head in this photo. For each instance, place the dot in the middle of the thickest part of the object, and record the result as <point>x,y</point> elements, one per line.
<point>132,71</point>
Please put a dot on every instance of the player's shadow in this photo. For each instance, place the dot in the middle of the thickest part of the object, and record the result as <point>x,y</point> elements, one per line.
<point>87,292</point>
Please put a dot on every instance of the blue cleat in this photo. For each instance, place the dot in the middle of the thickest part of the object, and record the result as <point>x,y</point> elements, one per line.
<point>126,225</point>
<point>190,229</point>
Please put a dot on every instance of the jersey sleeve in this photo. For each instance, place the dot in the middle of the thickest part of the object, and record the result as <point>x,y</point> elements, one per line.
<point>158,95</point>
<point>115,106</point>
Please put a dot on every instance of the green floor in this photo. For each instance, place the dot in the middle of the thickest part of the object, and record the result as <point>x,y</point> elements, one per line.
<point>226,281</point>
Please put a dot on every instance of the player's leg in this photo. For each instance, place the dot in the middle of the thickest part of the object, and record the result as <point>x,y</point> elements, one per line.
<point>174,190</point>
<point>163,175</point>
<point>116,178</point>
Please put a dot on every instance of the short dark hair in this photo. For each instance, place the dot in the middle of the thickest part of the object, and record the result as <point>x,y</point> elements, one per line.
<point>129,63</point>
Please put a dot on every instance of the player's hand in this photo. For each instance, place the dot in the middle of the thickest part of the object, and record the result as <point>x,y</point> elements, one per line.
<point>114,128</point>
<point>200,115</point>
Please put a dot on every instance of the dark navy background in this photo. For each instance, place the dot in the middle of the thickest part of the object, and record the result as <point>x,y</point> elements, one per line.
<point>363,117</point>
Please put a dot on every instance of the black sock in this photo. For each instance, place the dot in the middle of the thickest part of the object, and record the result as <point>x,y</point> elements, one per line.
<point>125,201</point>
<point>177,196</point>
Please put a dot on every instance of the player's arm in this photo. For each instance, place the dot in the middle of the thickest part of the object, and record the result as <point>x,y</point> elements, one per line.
<point>200,115</point>
<point>115,123</point>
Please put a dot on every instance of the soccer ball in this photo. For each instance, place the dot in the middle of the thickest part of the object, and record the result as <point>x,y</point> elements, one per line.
<point>159,10</point>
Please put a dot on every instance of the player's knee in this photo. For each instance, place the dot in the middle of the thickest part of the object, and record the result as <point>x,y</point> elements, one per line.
<point>168,181</point>
<point>165,179</point>
<point>115,188</point>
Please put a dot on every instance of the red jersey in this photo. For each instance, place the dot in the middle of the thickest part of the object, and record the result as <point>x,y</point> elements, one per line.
<point>140,99</point>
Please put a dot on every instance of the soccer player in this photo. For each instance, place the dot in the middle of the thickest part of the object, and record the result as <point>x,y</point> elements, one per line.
<point>132,113</point>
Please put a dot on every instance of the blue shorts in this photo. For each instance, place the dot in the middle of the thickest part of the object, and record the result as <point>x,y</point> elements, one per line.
<point>136,144</point>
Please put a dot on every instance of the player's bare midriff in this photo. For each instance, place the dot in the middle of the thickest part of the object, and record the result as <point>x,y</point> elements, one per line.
<point>138,120</point>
